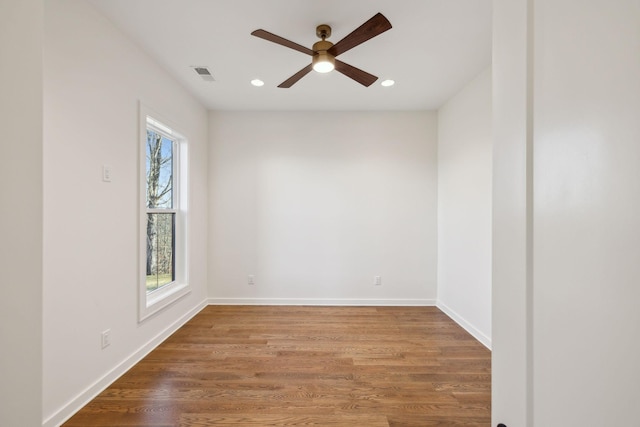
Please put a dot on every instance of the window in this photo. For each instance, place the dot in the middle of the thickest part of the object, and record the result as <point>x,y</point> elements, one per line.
<point>163,214</point>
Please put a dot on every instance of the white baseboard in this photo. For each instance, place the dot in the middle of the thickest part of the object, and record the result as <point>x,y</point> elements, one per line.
<point>321,301</point>
<point>477,334</point>
<point>77,403</point>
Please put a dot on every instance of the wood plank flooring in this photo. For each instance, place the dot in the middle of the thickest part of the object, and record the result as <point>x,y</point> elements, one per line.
<point>304,366</point>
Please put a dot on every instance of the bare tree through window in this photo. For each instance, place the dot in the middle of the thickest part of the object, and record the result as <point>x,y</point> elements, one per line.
<point>160,261</point>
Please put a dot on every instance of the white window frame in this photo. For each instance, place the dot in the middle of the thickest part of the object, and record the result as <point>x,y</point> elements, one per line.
<point>149,303</point>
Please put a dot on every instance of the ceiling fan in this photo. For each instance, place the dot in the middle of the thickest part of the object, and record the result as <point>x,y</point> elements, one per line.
<point>324,52</point>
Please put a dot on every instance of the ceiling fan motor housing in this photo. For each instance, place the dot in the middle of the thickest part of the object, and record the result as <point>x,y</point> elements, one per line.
<point>323,61</point>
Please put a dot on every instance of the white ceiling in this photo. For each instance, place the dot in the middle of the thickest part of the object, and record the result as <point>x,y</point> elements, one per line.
<point>434,48</point>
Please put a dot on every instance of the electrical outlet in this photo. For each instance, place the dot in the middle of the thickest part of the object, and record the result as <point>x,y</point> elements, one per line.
<point>377,281</point>
<point>106,338</point>
<point>251,280</point>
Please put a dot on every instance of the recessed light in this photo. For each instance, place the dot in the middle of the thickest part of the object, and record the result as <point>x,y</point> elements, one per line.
<point>387,83</point>
<point>257,82</point>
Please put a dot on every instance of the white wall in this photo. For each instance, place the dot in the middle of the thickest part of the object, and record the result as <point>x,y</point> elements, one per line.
<point>93,80</point>
<point>464,207</point>
<point>21,212</point>
<point>586,213</point>
<point>566,212</point>
<point>510,335</point>
<point>314,205</point>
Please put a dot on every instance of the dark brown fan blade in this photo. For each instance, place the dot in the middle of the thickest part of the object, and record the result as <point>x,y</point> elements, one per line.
<point>281,41</point>
<point>356,74</point>
<point>297,76</point>
<point>373,27</point>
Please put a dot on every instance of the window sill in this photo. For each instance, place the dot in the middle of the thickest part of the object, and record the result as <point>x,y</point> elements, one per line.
<point>157,300</point>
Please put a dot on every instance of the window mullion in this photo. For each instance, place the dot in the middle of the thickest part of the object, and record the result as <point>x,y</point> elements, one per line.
<point>162,210</point>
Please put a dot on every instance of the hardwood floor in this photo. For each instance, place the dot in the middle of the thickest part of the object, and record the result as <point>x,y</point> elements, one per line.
<point>305,366</point>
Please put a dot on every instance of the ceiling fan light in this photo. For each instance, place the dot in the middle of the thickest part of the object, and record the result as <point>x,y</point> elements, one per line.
<point>323,62</point>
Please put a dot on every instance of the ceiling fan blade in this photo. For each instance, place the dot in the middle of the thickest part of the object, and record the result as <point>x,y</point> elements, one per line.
<point>281,41</point>
<point>356,74</point>
<point>373,27</point>
<point>297,76</point>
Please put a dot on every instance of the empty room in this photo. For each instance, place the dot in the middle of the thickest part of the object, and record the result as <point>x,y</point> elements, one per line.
<point>356,213</point>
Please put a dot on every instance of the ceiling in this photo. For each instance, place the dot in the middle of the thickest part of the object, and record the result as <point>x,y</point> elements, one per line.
<point>434,48</point>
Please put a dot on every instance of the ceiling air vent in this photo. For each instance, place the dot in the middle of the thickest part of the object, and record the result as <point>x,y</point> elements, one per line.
<point>204,73</point>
